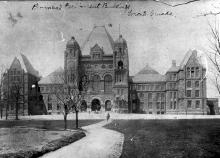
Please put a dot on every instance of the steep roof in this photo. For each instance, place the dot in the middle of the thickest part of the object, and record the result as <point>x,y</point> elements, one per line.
<point>55,77</point>
<point>22,61</point>
<point>173,69</point>
<point>201,58</point>
<point>148,74</point>
<point>99,35</point>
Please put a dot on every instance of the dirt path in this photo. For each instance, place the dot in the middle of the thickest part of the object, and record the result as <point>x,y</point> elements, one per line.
<point>98,143</point>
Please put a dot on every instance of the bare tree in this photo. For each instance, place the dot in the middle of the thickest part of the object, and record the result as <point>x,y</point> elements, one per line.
<point>68,96</point>
<point>2,71</point>
<point>214,55</point>
<point>16,96</point>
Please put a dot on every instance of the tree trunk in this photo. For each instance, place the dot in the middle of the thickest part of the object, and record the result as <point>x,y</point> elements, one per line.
<point>16,110</point>
<point>6,112</point>
<point>1,111</point>
<point>77,121</point>
<point>65,121</point>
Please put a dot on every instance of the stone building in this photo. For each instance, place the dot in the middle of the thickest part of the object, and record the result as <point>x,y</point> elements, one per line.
<point>20,86</point>
<point>182,90</point>
<point>104,64</point>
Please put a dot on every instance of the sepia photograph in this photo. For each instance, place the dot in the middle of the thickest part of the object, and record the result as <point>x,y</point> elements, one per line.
<point>110,79</point>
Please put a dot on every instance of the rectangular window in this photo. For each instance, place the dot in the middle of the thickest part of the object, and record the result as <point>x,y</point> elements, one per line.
<point>171,105</point>
<point>143,87</point>
<point>157,87</point>
<point>188,84</point>
<point>197,104</point>
<point>49,106</point>
<point>141,95</point>
<point>192,72</point>
<point>158,105</point>
<point>162,97</point>
<point>197,71</point>
<point>174,96</point>
<point>150,96</point>
<point>188,72</point>
<point>174,105</point>
<point>196,93</point>
<point>150,105</point>
<point>162,105</point>
<point>196,84</point>
<point>188,93</point>
<point>139,87</point>
<point>157,96</point>
<point>189,103</point>
<point>147,87</point>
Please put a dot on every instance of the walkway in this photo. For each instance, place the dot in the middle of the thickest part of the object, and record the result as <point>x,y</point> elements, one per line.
<point>98,143</point>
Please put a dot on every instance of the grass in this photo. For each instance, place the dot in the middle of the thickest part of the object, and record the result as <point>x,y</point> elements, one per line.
<point>169,138</point>
<point>46,124</point>
<point>32,138</point>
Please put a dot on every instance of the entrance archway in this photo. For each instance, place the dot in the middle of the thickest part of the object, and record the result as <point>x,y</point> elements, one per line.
<point>83,106</point>
<point>108,105</point>
<point>96,106</point>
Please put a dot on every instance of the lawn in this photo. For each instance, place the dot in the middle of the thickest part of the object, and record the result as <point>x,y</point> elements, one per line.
<point>46,124</point>
<point>35,137</point>
<point>169,138</point>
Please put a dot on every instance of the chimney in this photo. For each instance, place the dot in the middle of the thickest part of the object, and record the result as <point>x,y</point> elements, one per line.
<point>194,52</point>
<point>174,63</point>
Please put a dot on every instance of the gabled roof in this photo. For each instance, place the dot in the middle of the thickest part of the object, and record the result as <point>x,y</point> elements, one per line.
<point>173,69</point>
<point>22,61</point>
<point>148,74</point>
<point>55,77</point>
<point>99,35</point>
<point>201,58</point>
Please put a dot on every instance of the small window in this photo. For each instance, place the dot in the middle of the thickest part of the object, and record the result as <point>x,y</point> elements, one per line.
<point>196,84</point>
<point>189,103</point>
<point>188,93</point>
<point>158,112</point>
<point>162,105</point>
<point>197,104</point>
<point>192,72</point>
<point>49,106</point>
<point>188,72</point>
<point>196,93</point>
<point>188,84</point>
<point>150,112</point>
<point>197,71</point>
<point>171,105</point>
<point>158,105</point>
<point>150,105</point>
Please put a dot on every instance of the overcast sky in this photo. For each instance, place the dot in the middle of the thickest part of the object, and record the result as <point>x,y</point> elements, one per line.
<point>41,34</point>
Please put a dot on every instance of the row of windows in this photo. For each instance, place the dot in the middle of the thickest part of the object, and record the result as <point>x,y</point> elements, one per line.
<point>172,77</point>
<point>192,72</point>
<point>49,106</point>
<point>14,72</point>
<point>149,96</point>
<point>171,86</point>
<point>189,84</point>
<point>148,87</point>
<point>159,105</point>
<point>189,93</point>
<point>197,104</point>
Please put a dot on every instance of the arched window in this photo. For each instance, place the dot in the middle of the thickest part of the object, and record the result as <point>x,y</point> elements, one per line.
<point>108,83</point>
<point>96,83</point>
<point>120,65</point>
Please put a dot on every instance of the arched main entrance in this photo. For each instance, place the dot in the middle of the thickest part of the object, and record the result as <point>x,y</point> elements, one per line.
<point>83,106</point>
<point>96,106</point>
<point>108,105</point>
